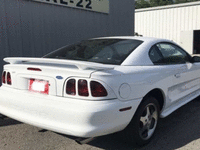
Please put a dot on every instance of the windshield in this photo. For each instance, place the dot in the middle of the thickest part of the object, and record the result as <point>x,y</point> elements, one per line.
<point>106,51</point>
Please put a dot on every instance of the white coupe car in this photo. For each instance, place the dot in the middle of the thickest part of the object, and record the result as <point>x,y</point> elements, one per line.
<point>101,86</point>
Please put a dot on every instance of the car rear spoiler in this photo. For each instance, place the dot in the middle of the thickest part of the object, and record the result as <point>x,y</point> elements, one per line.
<point>81,65</point>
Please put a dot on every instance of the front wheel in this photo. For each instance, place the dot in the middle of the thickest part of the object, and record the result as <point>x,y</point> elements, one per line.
<point>144,122</point>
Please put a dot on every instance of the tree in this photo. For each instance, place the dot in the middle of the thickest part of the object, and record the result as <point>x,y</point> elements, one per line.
<point>184,1</point>
<point>154,3</point>
<point>141,4</point>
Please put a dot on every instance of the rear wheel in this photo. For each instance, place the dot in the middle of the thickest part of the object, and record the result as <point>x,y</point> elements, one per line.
<point>144,122</point>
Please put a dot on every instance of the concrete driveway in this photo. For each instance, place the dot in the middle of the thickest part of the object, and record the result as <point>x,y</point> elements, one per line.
<point>180,130</point>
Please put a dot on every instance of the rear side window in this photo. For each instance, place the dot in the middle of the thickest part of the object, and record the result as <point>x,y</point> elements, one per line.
<point>155,56</point>
<point>106,51</point>
<point>168,53</point>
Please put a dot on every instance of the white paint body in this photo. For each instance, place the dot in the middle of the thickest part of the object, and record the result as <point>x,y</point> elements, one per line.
<point>174,22</point>
<point>90,116</point>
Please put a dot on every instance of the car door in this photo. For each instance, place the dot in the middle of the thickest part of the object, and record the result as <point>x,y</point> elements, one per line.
<point>185,77</point>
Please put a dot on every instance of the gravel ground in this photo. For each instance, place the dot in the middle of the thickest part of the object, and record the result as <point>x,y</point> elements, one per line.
<point>180,130</point>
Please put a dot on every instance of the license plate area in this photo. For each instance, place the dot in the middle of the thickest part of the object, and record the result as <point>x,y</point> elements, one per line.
<point>39,86</point>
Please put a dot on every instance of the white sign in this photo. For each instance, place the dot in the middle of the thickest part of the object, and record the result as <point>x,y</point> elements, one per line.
<point>92,5</point>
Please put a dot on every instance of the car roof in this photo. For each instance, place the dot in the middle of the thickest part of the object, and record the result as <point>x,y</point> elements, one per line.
<point>140,56</point>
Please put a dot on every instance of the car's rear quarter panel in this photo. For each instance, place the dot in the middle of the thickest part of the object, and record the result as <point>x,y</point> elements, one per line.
<point>142,79</point>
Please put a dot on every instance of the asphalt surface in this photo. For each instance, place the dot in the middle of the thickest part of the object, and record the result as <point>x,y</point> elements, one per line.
<point>180,130</point>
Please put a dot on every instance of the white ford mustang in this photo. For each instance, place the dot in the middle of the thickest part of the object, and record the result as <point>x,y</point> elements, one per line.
<point>101,86</point>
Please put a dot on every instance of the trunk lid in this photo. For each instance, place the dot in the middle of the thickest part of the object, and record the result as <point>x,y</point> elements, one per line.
<point>54,71</point>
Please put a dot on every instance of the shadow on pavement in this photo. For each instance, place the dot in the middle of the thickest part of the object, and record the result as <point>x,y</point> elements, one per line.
<point>8,122</point>
<point>175,131</point>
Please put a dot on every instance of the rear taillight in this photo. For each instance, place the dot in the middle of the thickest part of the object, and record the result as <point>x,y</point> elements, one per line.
<point>71,87</point>
<point>97,89</point>
<point>4,77</point>
<point>83,87</point>
<point>9,81</point>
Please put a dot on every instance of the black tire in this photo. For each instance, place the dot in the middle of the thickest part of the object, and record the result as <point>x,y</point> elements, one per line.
<point>143,124</point>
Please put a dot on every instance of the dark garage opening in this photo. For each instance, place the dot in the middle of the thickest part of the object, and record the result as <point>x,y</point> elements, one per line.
<point>196,46</point>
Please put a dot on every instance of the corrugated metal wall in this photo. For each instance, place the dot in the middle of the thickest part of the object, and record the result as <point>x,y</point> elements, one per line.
<point>169,21</point>
<point>29,28</point>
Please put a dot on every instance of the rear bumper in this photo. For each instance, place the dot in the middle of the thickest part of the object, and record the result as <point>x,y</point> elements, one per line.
<point>66,115</point>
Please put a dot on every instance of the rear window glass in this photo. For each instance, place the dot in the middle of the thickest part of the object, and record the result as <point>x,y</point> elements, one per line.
<point>106,51</point>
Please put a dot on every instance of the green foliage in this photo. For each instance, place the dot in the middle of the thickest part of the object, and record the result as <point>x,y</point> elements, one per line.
<point>154,3</point>
<point>184,1</point>
<point>141,4</point>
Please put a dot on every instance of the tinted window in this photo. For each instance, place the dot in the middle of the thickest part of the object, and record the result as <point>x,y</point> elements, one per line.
<point>167,53</point>
<point>155,56</point>
<point>106,51</point>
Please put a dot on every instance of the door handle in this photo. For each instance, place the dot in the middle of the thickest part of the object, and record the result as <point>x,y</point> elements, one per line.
<point>177,75</point>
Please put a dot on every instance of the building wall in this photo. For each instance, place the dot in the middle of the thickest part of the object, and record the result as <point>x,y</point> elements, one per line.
<point>29,28</point>
<point>168,21</point>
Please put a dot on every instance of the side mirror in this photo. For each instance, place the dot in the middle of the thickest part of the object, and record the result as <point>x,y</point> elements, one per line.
<point>195,59</point>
